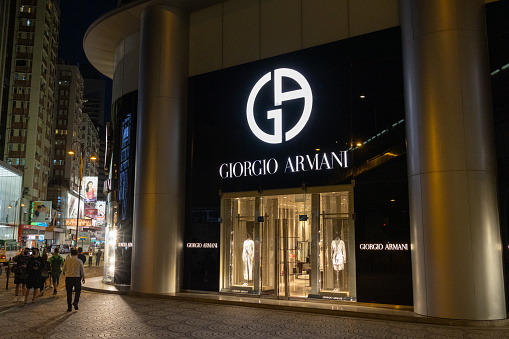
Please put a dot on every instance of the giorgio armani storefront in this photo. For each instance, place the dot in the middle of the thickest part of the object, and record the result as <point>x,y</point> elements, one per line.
<point>279,146</point>
<point>302,149</point>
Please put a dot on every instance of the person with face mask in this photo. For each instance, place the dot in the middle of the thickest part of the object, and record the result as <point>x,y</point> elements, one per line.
<point>21,273</point>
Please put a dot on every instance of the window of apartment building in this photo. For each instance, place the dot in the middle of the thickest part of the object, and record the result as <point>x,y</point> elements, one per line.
<point>9,161</point>
<point>23,161</point>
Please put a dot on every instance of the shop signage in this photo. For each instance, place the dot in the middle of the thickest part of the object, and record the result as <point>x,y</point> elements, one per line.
<point>33,227</point>
<point>299,163</point>
<point>82,222</point>
<point>125,244</point>
<point>108,186</point>
<point>202,245</point>
<point>42,224</point>
<point>384,247</point>
<point>279,97</point>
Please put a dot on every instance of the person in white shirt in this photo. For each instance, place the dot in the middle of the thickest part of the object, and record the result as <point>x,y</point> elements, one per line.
<point>74,273</point>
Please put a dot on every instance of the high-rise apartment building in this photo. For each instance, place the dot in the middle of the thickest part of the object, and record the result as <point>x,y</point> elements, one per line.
<point>68,115</point>
<point>89,136</point>
<point>6,41</point>
<point>94,102</point>
<point>30,99</point>
<point>72,129</point>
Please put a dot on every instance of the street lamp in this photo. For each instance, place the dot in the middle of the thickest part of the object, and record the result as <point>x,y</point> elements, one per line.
<point>16,209</point>
<point>82,151</point>
<point>16,212</point>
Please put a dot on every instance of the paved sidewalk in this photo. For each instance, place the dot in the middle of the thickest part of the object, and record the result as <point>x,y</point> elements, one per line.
<point>7,296</point>
<point>103,315</point>
<point>109,315</point>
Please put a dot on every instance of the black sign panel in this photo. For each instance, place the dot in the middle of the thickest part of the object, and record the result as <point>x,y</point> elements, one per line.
<point>295,119</point>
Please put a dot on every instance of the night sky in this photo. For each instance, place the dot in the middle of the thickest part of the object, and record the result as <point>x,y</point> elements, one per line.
<point>76,17</point>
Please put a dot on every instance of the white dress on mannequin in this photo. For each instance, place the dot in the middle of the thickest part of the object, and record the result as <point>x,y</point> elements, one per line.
<point>338,254</point>
<point>248,258</point>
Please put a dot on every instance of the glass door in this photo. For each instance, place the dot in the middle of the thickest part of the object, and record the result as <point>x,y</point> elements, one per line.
<point>289,245</point>
<point>293,235</point>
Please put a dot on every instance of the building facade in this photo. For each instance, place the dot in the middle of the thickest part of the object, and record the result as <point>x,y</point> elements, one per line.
<point>31,93</point>
<point>72,129</point>
<point>331,149</point>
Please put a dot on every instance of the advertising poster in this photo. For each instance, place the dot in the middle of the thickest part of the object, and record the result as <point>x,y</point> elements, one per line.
<point>42,211</point>
<point>89,189</point>
<point>72,203</point>
<point>101,208</point>
<point>90,210</point>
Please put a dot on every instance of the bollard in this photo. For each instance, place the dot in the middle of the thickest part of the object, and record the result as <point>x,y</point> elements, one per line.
<point>7,272</point>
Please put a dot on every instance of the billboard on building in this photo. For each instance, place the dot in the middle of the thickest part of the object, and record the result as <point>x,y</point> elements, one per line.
<point>89,188</point>
<point>41,211</point>
<point>101,208</point>
<point>72,204</point>
<point>90,210</point>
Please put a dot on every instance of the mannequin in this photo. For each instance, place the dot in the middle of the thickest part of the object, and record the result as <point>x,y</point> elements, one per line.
<point>248,258</point>
<point>338,259</point>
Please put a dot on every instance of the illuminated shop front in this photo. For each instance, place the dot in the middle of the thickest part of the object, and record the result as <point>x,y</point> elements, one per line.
<point>289,146</point>
<point>291,245</point>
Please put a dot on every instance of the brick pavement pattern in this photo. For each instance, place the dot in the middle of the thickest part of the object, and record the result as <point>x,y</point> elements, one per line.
<point>113,316</point>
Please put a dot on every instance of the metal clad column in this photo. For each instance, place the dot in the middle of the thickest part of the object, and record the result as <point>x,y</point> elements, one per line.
<point>160,151</point>
<point>455,234</point>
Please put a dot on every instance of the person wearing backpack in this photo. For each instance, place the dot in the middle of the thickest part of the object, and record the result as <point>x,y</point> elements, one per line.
<point>56,263</point>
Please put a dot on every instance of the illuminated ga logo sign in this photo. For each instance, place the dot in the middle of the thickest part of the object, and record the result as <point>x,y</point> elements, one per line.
<point>279,97</point>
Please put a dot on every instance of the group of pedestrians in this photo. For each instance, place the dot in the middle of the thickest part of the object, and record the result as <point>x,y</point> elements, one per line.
<point>31,272</point>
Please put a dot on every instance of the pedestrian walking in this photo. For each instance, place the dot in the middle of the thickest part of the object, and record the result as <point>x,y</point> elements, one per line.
<point>34,279</point>
<point>44,272</point>
<point>20,273</point>
<point>74,273</point>
<point>81,256</point>
<point>56,262</point>
<point>98,256</point>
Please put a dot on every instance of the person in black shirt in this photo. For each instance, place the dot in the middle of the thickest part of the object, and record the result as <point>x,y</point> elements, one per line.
<point>20,273</point>
<point>34,280</point>
<point>81,256</point>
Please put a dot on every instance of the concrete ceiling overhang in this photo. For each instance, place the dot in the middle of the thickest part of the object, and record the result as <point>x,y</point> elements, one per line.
<point>103,36</point>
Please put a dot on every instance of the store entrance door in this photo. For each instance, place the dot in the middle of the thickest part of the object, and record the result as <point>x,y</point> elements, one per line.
<point>289,255</point>
<point>288,245</point>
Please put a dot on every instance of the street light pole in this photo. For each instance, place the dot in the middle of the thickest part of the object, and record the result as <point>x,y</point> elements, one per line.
<point>82,150</point>
<point>79,194</point>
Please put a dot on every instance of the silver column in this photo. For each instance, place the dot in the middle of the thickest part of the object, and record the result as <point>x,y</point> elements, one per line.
<point>455,235</point>
<point>160,152</point>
